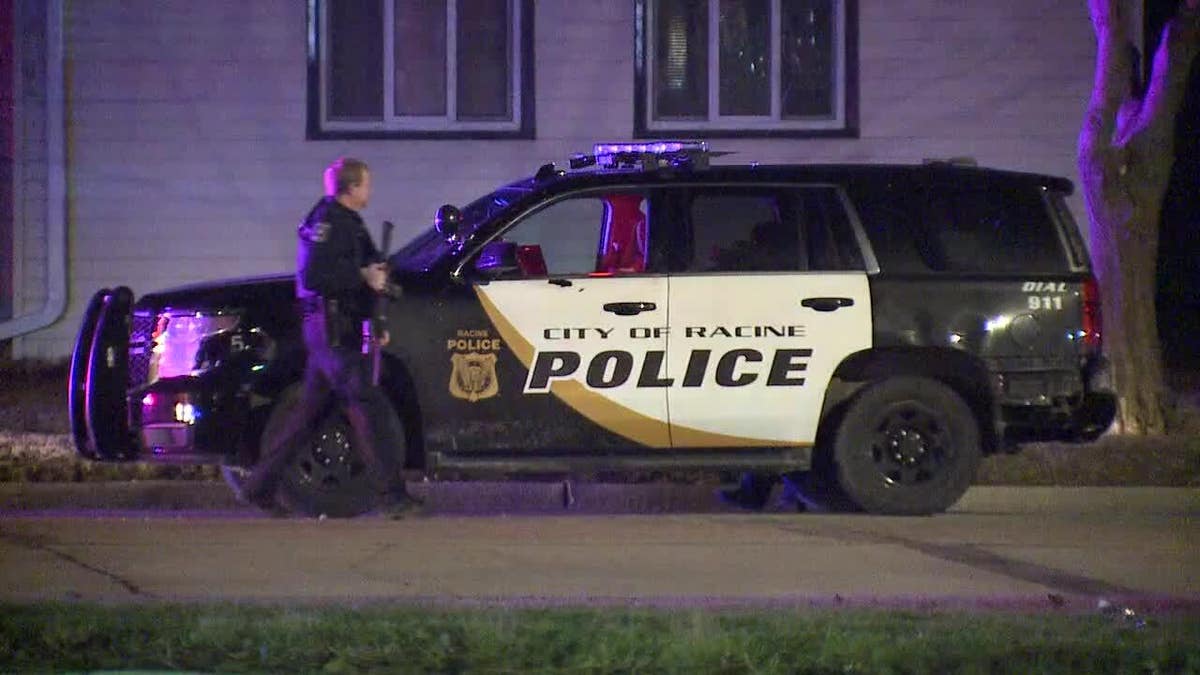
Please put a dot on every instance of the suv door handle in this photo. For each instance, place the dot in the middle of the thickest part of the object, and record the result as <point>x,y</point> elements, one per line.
<point>629,308</point>
<point>826,304</point>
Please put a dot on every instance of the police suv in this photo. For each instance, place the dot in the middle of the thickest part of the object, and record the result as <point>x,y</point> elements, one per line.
<point>881,328</point>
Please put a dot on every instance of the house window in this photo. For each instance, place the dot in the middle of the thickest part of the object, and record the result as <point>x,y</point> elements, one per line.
<point>746,68</point>
<point>420,68</point>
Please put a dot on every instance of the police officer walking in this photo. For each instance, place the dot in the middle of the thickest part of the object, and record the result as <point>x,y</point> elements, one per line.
<point>339,272</point>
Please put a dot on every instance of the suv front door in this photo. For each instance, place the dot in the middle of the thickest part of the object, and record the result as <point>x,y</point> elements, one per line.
<point>580,318</point>
<point>768,294</point>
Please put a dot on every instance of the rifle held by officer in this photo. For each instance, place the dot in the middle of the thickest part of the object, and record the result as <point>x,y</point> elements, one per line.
<point>375,325</point>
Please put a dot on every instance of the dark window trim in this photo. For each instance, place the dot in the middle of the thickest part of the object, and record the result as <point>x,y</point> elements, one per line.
<point>315,132</point>
<point>641,87</point>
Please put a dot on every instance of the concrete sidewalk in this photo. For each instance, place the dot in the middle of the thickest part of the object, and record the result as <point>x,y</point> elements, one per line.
<point>1012,548</point>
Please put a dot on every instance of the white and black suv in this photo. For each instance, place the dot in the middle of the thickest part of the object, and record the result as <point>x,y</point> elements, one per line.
<point>885,326</point>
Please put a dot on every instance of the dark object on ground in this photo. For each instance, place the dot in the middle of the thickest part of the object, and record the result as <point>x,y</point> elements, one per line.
<point>752,492</point>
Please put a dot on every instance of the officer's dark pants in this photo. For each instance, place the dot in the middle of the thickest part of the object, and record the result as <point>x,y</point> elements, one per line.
<point>339,372</point>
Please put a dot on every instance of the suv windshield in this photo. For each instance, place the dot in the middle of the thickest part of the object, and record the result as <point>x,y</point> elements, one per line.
<point>422,251</point>
<point>483,209</point>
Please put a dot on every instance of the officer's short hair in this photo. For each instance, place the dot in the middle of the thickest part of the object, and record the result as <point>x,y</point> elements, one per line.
<point>343,173</point>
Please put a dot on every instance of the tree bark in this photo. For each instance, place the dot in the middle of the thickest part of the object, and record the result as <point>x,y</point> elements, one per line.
<point>1126,149</point>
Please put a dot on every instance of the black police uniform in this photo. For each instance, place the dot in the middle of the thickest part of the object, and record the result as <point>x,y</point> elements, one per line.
<point>334,245</point>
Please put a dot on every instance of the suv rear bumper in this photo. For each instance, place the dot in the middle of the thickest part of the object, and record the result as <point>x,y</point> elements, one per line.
<point>1079,416</point>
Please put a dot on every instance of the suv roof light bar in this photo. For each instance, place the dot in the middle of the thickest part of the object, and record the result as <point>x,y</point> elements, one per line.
<point>655,147</point>
<point>964,160</point>
<point>645,156</point>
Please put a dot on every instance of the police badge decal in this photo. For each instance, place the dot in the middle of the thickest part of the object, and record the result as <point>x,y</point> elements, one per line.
<point>473,376</point>
<point>473,364</point>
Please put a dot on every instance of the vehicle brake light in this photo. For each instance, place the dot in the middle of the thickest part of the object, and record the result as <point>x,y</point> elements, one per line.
<point>1093,320</point>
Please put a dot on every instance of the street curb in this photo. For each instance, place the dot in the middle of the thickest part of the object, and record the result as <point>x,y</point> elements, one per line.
<point>568,497</point>
<point>166,495</point>
<point>440,497</point>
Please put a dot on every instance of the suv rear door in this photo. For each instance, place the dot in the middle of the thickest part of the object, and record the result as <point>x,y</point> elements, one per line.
<point>768,294</point>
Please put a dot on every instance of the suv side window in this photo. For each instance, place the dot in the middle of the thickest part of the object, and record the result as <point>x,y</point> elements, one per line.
<point>767,229</point>
<point>831,242</point>
<point>968,229</point>
<point>997,230</point>
<point>891,214</point>
<point>606,233</point>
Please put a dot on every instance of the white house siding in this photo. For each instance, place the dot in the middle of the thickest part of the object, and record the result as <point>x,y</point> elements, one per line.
<point>187,157</point>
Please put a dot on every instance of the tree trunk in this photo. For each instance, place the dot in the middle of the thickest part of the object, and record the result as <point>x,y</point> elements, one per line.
<point>1126,149</point>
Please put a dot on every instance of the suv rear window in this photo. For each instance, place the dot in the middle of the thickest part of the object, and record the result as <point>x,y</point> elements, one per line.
<point>986,230</point>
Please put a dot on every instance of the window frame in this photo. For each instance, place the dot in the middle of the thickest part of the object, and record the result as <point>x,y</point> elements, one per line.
<point>521,126</point>
<point>845,122</point>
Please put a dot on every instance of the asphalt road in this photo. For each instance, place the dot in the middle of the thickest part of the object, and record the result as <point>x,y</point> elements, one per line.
<point>1020,547</point>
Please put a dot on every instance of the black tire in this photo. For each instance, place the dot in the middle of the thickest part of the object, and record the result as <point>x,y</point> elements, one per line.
<point>906,446</point>
<point>326,475</point>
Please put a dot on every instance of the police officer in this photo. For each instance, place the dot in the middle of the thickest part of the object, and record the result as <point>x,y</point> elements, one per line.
<point>339,272</point>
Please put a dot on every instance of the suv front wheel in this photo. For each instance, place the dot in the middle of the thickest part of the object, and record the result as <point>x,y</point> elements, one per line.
<point>906,446</point>
<point>326,474</point>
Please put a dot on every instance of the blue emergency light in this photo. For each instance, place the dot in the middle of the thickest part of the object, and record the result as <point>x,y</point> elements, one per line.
<point>645,156</point>
<point>654,148</point>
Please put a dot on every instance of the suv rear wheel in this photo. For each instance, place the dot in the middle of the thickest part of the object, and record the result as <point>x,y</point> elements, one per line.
<point>906,446</point>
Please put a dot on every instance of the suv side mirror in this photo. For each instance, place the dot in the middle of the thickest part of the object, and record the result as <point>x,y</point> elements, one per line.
<point>448,220</point>
<point>497,259</point>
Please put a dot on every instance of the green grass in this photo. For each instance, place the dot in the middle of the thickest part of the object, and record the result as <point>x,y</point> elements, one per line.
<point>229,638</point>
<point>51,458</point>
<point>1163,461</point>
